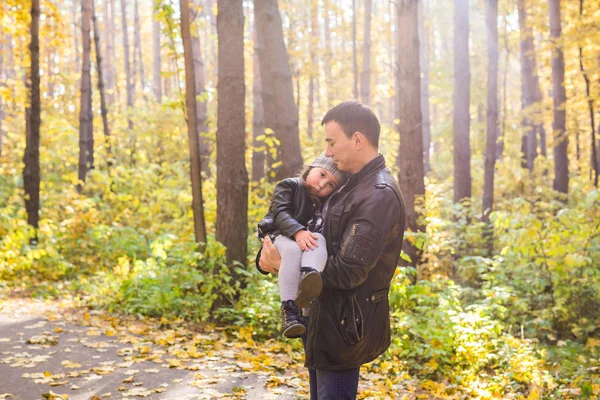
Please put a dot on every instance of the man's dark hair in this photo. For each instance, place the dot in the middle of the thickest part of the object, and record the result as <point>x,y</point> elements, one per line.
<point>354,116</point>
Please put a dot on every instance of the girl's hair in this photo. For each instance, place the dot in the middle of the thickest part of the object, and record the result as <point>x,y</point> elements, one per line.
<point>304,173</point>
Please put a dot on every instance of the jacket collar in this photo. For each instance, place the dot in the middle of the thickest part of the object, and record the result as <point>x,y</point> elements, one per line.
<point>376,164</point>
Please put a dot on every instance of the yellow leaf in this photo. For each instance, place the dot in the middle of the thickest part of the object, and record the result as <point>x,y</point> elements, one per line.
<point>432,364</point>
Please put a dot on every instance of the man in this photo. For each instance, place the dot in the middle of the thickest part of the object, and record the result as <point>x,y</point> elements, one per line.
<point>349,324</point>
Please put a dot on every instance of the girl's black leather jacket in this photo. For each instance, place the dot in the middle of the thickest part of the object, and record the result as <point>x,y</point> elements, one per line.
<point>292,207</point>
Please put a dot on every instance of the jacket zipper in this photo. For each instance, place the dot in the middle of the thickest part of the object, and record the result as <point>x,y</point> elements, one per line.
<point>347,241</point>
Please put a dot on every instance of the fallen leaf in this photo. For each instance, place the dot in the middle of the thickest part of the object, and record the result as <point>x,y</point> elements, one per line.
<point>43,339</point>
<point>59,383</point>
<point>128,380</point>
<point>139,392</point>
<point>70,364</point>
<point>54,396</point>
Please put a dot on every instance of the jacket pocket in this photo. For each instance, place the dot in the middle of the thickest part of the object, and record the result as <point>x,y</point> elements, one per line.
<point>358,245</point>
<point>351,323</point>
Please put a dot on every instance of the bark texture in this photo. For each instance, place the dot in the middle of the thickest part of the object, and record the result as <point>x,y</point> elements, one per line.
<point>193,142</point>
<point>411,175</point>
<point>561,141</point>
<point>232,178</point>
<point>280,110</point>
<point>461,119</point>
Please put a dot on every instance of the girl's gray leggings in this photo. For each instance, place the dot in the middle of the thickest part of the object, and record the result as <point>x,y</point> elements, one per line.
<point>292,259</point>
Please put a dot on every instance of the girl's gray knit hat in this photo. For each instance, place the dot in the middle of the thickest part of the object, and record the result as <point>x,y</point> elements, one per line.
<point>322,161</point>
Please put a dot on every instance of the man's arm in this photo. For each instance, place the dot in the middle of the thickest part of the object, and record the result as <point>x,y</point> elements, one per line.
<point>364,240</point>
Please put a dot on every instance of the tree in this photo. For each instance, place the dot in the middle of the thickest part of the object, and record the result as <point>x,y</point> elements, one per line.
<point>128,80</point>
<point>109,41</point>
<point>328,56</point>
<point>137,49</point>
<point>103,109</point>
<point>354,52</point>
<point>156,53</point>
<point>491,22</point>
<point>461,121</point>
<point>232,178</point>
<point>280,112</point>
<point>365,76</point>
<point>31,158</point>
<point>201,102</point>
<point>531,94</point>
<point>424,63</point>
<point>314,66</point>
<point>193,138</point>
<point>86,116</point>
<point>594,160</point>
<point>258,123</point>
<point>561,141</point>
<point>75,37</point>
<point>411,175</point>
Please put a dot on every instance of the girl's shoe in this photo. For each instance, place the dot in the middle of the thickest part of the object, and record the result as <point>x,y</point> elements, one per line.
<point>310,287</point>
<point>291,320</point>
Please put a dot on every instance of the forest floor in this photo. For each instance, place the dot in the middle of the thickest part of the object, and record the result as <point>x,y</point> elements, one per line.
<point>56,350</point>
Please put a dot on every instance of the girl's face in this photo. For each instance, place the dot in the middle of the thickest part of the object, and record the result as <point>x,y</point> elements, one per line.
<point>321,182</point>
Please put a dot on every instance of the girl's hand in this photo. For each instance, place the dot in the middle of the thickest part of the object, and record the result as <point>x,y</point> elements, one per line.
<point>306,240</point>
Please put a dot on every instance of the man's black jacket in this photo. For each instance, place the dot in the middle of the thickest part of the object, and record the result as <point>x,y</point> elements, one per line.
<point>349,323</point>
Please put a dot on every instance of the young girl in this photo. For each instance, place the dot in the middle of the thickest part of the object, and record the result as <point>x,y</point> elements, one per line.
<point>294,223</point>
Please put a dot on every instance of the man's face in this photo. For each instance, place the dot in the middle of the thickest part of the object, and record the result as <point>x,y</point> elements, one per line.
<point>340,147</point>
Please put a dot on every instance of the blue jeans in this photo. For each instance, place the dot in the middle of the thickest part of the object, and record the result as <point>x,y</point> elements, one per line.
<point>332,385</point>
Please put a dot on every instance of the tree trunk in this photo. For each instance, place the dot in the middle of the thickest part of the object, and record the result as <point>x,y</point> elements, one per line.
<point>128,82</point>
<point>100,65</point>
<point>594,159</point>
<point>76,37</point>
<point>138,48</point>
<point>156,53</point>
<point>193,142</point>
<point>561,140</point>
<point>258,123</point>
<point>232,178</point>
<point>314,66</point>
<point>411,175</point>
<point>86,116</point>
<point>328,55</point>
<point>502,132</point>
<point>109,39</point>
<point>354,51</point>
<point>201,105</point>
<point>491,22</point>
<point>531,95</point>
<point>365,76</point>
<point>280,111</point>
<point>461,119</point>
<point>31,158</point>
<point>424,62</point>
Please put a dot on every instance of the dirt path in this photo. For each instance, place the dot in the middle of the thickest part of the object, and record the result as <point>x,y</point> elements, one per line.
<point>50,347</point>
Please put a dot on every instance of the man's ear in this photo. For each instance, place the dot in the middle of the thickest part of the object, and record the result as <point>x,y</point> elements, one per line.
<point>359,140</point>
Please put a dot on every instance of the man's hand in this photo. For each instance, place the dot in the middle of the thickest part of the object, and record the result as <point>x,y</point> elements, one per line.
<point>270,260</point>
<point>306,240</point>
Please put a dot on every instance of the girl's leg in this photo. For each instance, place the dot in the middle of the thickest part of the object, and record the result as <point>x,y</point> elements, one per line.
<point>316,258</point>
<point>289,272</point>
<point>313,262</point>
<point>289,275</point>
